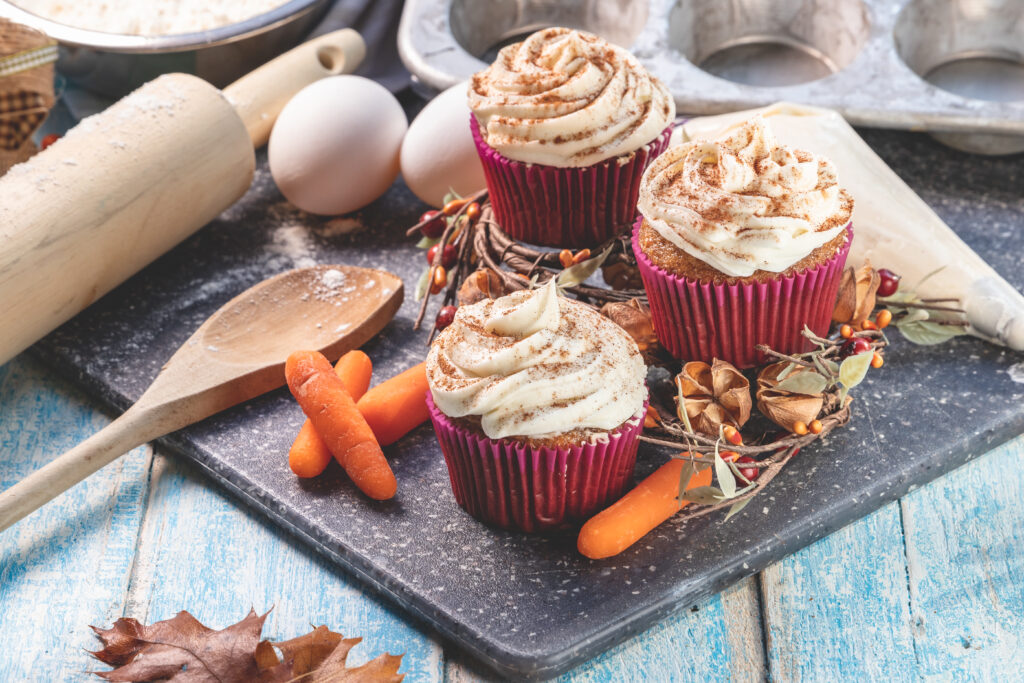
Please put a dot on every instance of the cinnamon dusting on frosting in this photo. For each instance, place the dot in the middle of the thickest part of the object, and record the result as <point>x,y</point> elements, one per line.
<point>576,370</point>
<point>744,203</point>
<point>568,98</point>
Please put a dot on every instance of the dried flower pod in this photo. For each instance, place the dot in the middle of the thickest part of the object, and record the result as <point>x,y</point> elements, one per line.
<point>480,285</point>
<point>635,319</point>
<point>622,275</point>
<point>786,408</point>
<point>713,395</point>
<point>856,298</point>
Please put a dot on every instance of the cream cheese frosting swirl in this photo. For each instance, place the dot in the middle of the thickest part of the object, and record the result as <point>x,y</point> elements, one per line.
<point>744,203</point>
<point>568,98</point>
<point>535,364</point>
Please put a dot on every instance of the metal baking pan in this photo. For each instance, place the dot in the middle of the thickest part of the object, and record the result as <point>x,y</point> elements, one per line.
<point>951,67</point>
<point>114,64</point>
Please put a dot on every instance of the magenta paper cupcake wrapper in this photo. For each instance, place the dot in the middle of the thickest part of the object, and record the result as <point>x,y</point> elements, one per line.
<point>510,485</point>
<point>565,207</point>
<point>697,320</point>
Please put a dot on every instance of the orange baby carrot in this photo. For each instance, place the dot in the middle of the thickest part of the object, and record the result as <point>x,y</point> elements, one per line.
<point>630,518</point>
<point>324,399</point>
<point>309,455</point>
<point>396,406</point>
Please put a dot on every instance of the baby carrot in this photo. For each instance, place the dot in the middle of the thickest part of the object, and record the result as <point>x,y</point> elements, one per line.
<point>396,406</point>
<point>309,455</point>
<point>630,518</point>
<point>324,399</point>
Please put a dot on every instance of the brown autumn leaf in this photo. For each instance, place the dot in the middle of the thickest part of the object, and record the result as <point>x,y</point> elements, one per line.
<point>483,284</point>
<point>622,275</point>
<point>856,298</point>
<point>183,649</point>
<point>635,319</point>
<point>168,648</point>
<point>786,408</point>
<point>714,395</point>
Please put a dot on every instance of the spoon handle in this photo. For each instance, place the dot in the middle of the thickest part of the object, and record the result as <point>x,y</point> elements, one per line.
<point>134,428</point>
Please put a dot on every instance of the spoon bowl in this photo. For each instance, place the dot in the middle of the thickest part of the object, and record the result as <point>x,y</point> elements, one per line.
<point>328,308</point>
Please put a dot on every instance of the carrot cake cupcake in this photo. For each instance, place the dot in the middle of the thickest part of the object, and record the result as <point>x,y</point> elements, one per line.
<point>538,403</point>
<point>565,124</point>
<point>741,241</point>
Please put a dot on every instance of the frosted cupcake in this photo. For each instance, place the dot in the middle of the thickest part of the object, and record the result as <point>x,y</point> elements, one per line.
<point>538,403</point>
<point>565,124</point>
<point>741,241</point>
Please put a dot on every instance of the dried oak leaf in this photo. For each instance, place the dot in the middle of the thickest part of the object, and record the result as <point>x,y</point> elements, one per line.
<point>856,298</point>
<point>714,395</point>
<point>635,319</point>
<point>180,646</point>
<point>182,649</point>
<point>786,408</point>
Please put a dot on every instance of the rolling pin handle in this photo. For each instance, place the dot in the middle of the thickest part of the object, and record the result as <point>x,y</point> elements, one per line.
<point>258,97</point>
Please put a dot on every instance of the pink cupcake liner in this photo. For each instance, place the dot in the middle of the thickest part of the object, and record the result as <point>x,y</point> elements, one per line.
<point>565,207</point>
<point>697,320</point>
<point>510,485</point>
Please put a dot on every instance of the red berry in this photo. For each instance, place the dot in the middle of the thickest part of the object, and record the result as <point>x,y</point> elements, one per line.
<point>444,317</point>
<point>435,227</point>
<point>48,140</point>
<point>855,346</point>
<point>448,256</point>
<point>749,473</point>
<point>890,282</point>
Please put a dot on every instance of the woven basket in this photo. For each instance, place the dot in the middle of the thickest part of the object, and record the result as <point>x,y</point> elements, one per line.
<point>25,96</point>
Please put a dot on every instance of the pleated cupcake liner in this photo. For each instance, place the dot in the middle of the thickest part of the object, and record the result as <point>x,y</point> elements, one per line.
<point>511,485</point>
<point>696,320</point>
<point>565,207</point>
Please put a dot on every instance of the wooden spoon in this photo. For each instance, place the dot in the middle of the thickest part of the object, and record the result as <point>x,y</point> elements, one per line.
<point>237,354</point>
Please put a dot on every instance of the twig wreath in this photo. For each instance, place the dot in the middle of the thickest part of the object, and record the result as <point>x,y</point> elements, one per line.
<point>800,398</point>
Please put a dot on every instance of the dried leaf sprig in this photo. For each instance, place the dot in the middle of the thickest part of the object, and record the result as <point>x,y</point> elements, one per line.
<point>806,394</point>
<point>481,244</point>
<point>924,321</point>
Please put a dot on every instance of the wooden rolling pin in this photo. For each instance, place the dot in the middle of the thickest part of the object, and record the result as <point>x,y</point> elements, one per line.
<point>128,184</point>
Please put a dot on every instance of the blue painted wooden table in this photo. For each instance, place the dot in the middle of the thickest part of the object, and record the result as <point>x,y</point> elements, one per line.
<point>930,587</point>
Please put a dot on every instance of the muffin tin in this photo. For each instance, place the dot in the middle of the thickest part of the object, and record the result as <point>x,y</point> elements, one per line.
<point>951,67</point>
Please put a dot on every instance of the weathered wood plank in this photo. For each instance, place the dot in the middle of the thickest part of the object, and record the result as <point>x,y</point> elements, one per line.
<point>200,551</point>
<point>720,640</point>
<point>838,609</point>
<point>67,565</point>
<point>965,555</point>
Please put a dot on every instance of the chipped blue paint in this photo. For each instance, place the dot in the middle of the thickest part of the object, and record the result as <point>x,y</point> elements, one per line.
<point>66,566</point>
<point>965,565</point>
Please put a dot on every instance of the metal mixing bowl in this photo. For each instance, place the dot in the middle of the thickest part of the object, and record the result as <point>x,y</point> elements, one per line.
<point>114,64</point>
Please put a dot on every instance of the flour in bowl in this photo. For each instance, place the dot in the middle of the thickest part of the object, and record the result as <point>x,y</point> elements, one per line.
<point>148,17</point>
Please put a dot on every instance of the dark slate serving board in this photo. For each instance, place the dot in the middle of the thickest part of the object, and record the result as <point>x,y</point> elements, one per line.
<point>531,605</point>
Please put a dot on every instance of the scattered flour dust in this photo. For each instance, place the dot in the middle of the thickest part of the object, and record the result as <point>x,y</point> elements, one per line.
<point>332,279</point>
<point>332,286</point>
<point>148,17</point>
<point>1016,372</point>
<point>292,242</point>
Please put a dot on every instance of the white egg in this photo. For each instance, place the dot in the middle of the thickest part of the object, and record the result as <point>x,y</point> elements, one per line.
<point>335,145</point>
<point>438,152</point>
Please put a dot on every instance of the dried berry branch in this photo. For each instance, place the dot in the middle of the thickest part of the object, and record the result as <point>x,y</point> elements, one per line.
<point>481,242</point>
